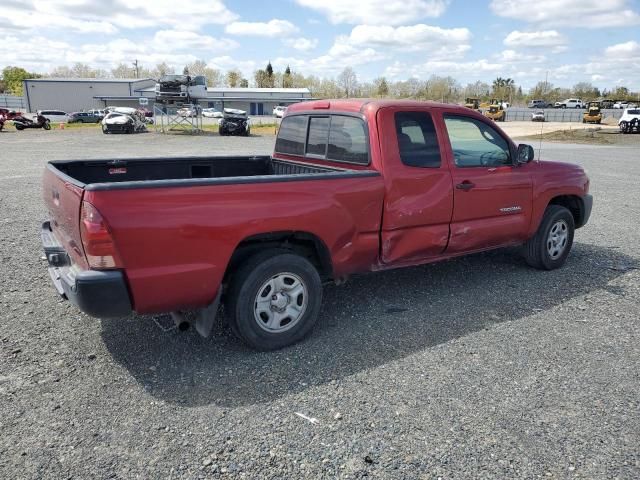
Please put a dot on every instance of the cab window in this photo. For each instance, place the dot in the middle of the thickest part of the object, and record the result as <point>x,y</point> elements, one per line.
<point>475,143</point>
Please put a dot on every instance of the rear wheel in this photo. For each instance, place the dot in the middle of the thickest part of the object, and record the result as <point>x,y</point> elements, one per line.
<point>19,126</point>
<point>274,299</point>
<point>549,247</point>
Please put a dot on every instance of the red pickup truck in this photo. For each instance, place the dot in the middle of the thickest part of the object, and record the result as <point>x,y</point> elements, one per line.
<point>353,186</point>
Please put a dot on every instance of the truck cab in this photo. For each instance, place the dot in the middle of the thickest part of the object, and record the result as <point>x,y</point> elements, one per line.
<point>181,88</point>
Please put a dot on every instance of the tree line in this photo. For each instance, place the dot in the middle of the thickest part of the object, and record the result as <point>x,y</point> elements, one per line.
<point>346,84</point>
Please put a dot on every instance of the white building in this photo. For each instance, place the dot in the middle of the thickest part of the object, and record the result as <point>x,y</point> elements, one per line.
<point>77,94</point>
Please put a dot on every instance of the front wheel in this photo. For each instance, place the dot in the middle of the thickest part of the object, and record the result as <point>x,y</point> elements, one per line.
<point>549,247</point>
<point>46,126</point>
<point>274,299</point>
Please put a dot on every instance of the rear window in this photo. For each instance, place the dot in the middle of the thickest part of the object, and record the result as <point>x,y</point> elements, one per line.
<point>291,136</point>
<point>317,138</point>
<point>633,112</point>
<point>338,138</point>
<point>348,140</point>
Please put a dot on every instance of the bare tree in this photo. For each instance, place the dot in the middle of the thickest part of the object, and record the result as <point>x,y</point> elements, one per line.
<point>348,81</point>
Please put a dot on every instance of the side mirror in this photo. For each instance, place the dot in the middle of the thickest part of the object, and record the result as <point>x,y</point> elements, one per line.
<point>525,153</point>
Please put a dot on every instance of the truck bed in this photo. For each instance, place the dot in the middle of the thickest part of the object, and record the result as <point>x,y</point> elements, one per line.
<point>157,172</point>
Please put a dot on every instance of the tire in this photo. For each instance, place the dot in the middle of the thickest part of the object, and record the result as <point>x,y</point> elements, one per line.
<point>254,280</point>
<point>46,126</point>
<point>623,127</point>
<point>19,126</point>
<point>549,247</point>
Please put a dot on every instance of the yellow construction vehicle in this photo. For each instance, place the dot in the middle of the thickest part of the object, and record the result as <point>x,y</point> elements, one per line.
<point>593,113</point>
<point>472,103</point>
<point>496,112</point>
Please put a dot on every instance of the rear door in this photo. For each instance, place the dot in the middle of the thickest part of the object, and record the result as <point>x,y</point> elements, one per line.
<point>419,198</point>
<point>492,196</point>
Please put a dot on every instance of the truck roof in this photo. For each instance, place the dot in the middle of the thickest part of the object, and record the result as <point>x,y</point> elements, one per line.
<point>370,104</point>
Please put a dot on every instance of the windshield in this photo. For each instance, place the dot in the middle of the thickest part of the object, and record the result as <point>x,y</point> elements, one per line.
<point>173,78</point>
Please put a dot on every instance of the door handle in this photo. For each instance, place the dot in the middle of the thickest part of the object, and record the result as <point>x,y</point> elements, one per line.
<point>466,185</point>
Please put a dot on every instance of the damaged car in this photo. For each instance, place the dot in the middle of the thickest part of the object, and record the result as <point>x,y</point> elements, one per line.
<point>234,122</point>
<point>124,120</point>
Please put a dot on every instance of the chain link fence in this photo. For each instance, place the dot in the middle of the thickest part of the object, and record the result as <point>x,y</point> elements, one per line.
<point>557,114</point>
<point>12,103</point>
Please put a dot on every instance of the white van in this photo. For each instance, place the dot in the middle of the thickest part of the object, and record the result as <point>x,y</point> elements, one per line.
<point>54,116</point>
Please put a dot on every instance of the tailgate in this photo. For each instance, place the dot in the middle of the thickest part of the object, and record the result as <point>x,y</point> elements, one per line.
<point>63,198</point>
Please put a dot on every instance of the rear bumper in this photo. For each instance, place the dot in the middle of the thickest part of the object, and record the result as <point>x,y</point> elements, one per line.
<point>101,294</point>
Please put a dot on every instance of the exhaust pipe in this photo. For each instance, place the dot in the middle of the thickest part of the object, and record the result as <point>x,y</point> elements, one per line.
<point>182,323</point>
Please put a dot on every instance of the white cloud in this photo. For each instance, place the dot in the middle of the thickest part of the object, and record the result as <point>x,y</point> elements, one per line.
<point>463,71</point>
<point>272,28</point>
<point>544,38</point>
<point>625,51</point>
<point>178,40</point>
<point>433,41</point>
<point>512,57</point>
<point>570,13</point>
<point>377,12</point>
<point>108,17</point>
<point>225,63</point>
<point>302,44</point>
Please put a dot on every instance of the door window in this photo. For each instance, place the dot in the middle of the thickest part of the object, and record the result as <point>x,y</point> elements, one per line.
<point>417,141</point>
<point>476,144</point>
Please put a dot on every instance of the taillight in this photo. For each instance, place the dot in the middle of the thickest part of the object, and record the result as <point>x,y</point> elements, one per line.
<point>97,240</point>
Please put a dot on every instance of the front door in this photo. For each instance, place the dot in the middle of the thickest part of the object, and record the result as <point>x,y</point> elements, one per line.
<point>419,198</point>
<point>492,195</point>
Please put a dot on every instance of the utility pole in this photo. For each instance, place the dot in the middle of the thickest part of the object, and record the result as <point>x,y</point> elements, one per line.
<point>135,64</point>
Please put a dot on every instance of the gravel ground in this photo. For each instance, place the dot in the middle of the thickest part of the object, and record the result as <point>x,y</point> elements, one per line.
<point>473,368</point>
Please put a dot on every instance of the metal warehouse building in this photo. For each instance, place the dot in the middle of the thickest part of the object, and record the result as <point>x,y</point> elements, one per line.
<point>77,94</point>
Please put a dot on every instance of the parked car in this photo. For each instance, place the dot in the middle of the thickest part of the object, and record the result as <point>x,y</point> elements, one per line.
<point>570,103</point>
<point>190,111</point>
<point>352,186</point>
<point>538,116</point>
<point>96,111</point>
<point>84,117</point>
<point>539,104</point>
<point>279,111</point>
<point>211,113</point>
<point>54,116</point>
<point>629,122</point>
<point>234,122</point>
<point>124,120</point>
<point>621,105</point>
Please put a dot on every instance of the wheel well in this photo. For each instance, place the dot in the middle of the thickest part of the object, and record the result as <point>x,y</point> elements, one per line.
<point>572,203</point>
<point>304,244</point>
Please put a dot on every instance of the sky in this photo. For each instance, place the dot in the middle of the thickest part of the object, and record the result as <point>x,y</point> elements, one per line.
<point>572,41</point>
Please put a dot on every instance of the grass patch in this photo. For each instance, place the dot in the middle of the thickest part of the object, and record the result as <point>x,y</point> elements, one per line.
<point>590,136</point>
